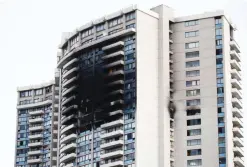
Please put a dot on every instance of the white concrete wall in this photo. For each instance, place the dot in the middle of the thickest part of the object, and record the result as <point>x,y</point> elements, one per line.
<point>147,91</point>
<point>165,14</point>
<point>208,96</point>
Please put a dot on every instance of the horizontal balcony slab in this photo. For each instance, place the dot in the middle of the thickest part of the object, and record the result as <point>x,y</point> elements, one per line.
<point>237,112</point>
<point>33,161</point>
<point>70,73</point>
<point>68,148</point>
<point>112,124</point>
<point>235,55</point>
<point>236,93</point>
<point>36,120</point>
<point>69,82</point>
<point>112,134</point>
<point>236,84</point>
<point>238,132</point>
<point>118,44</point>
<point>36,128</point>
<point>32,105</point>
<point>38,152</point>
<point>113,55</point>
<point>237,103</point>
<point>235,74</point>
<point>237,122</point>
<point>115,73</point>
<point>65,110</point>
<point>67,128</point>
<point>69,90</point>
<point>113,64</point>
<point>39,112</point>
<point>67,100</point>
<point>69,138</point>
<point>235,46</point>
<point>112,154</point>
<point>238,142</point>
<point>38,136</point>
<point>70,64</point>
<point>112,144</point>
<point>67,158</point>
<point>238,151</point>
<point>238,161</point>
<point>113,164</point>
<point>235,65</point>
<point>35,144</point>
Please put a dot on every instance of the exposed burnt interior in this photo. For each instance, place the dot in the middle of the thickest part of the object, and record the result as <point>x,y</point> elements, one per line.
<point>93,86</point>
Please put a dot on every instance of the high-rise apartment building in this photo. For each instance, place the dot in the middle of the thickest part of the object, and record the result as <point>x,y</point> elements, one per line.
<point>143,88</point>
<point>37,122</point>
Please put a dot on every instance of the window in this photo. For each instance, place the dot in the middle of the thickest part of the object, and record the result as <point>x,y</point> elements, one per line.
<point>20,159</point>
<point>222,150</point>
<point>129,47</point>
<point>130,26</point>
<point>194,152</point>
<point>129,66</point>
<point>192,83</point>
<point>194,132</point>
<point>195,92</point>
<point>218,42</point>
<point>26,93</point>
<point>220,120</point>
<point>193,122</point>
<point>194,102</point>
<point>222,160</point>
<point>48,89</point>
<point>192,73</point>
<point>194,142</point>
<point>218,21</point>
<point>115,22</point>
<point>87,32</point>
<point>220,80</point>
<point>191,45</point>
<point>191,23</point>
<point>193,112</point>
<point>220,110</point>
<point>194,163</point>
<point>74,40</point>
<point>130,16</point>
<point>220,90</point>
<point>221,130</point>
<point>129,126</point>
<point>129,136</point>
<point>129,56</point>
<point>100,27</point>
<point>219,70</point>
<point>192,54</point>
<point>38,91</point>
<point>191,34</point>
<point>114,31</point>
<point>221,140</point>
<point>218,31</point>
<point>219,61</point>
<point>129,146</point>
<point>220,100</point>
<point>219,52</point>
<point>192,64</point>
<point>129,156</point>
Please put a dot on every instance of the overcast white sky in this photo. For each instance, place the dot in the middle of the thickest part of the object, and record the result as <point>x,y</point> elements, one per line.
<point>30,32</point>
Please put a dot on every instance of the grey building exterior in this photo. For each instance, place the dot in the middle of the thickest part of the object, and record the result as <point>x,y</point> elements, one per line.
<point>141,88</point>
<point>37,125</point>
